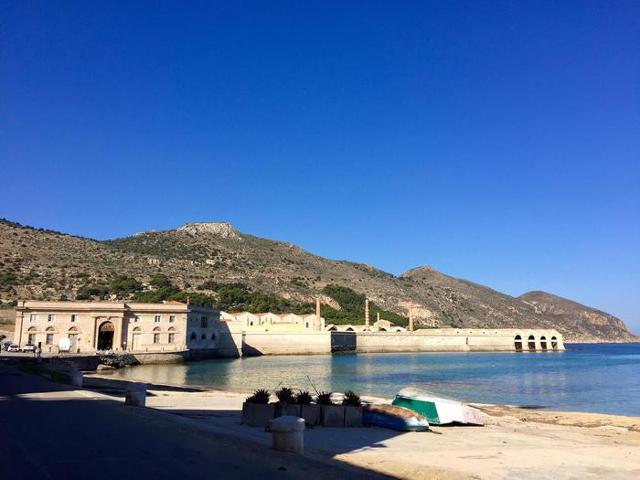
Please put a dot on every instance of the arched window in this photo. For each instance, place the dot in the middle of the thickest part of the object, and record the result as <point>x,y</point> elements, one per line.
<point>193,335</point>
<point>73,330</point>
<point>203,337</point>
<point>49,336</point>
<point>213,336</point>
<point>31,336</point>
<point>136,330</point>
<point>156,335</point>
<point>532,342</point>
<point>383,329</point>
<point>554,343</point>
<point>398,330</point>
<point>518,343</point>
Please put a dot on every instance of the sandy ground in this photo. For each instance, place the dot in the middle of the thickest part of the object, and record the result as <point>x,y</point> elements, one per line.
<point>514,443</point>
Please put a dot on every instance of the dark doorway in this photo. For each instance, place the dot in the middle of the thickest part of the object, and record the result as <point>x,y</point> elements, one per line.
<point>518,343</point>
<point>105,336</point>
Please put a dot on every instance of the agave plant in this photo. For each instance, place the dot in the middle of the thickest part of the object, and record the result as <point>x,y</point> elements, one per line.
<point>285,395</point>
<point>303,398</point>
<point>351,399</point>
<point>324,398</point>
<point>259,396</point>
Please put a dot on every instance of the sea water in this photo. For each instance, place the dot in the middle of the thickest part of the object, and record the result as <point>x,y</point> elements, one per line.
<point>590,378</point>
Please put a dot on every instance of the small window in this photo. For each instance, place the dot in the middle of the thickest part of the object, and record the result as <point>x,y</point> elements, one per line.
<point>156,319</point>
<point>307,324</point>
<point>156,338</point>
<point>203,322</point>
<point>137,318</point>
<point>51,317</point>
<point>172,318</point>
<point>193,335</point>
<point>33,317</point>
<point>49,339</point>
<point>172,338</point>
<point>204,337</point>
<point>74,317</point>
<point>213,336</point>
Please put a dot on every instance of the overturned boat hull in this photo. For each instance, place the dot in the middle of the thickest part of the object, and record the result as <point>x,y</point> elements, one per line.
<point>438,410</point>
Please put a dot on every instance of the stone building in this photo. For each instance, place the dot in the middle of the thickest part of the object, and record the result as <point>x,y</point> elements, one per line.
<point>86,327</point>
<point>274,322</point>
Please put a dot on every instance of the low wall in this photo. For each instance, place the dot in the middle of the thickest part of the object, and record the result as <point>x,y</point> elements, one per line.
<point>435,340</point>
<point>290,343</point>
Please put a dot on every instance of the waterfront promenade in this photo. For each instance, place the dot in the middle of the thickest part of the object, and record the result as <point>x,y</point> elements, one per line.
<point>53,431</point>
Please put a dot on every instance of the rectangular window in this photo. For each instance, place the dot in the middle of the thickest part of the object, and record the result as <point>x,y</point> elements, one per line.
<point>51,317</point>
<point>31,339</point>
<point>74,317</point>
<point>172,337</point>
<point>49,340</point>
<point>33,317</point>
<point>172,318</point>
<point>203,322</point>
<point>157,319</point>
<point>156,338</point>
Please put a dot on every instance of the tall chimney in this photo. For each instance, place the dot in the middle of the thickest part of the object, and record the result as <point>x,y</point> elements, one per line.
<point>366,312</point>
<point>318,326</point>
<point>411,318</point>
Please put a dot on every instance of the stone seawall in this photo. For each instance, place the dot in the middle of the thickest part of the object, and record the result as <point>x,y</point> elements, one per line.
<point>433,340</point>
<point>237,344</point>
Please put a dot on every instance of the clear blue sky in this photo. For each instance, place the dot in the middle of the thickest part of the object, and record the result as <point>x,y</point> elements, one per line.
<point>496,141</point>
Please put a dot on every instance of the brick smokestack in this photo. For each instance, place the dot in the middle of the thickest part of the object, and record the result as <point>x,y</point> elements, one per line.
<point>318,326</point>
<point>366,312</point>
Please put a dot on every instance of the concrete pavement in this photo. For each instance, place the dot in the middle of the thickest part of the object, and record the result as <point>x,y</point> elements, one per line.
<point>55,432</point>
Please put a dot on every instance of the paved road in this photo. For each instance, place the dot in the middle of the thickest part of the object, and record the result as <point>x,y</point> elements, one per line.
<point>51,431</point>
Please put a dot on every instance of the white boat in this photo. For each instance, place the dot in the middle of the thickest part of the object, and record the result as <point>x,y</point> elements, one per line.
<point>438,410</point>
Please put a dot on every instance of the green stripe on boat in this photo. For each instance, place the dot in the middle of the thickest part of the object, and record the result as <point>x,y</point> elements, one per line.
<point>424,408</point>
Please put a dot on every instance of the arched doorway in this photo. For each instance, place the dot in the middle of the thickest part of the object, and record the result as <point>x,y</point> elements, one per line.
<point>105,336</point>
<point>136,339</point>
<point>543,342</point>
<point>518,343</point>
<point>554,343</point>
<point>532,343</point>
<point>73,339</point>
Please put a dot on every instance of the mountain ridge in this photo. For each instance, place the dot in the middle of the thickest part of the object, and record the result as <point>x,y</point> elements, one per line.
<point>39,263</point>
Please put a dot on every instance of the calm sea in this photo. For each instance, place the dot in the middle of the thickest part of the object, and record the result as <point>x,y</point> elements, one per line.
<point>590,378</point>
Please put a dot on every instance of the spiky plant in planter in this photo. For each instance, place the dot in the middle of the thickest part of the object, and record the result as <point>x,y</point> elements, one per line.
<point>285,395</point>
<point>351,399</point>
<point>259,396</point>
<point>324,398</point>
<point>303,398</point>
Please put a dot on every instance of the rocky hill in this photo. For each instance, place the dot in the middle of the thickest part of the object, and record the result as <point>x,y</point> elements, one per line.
<point>574,316</point>
<point>36,263</point>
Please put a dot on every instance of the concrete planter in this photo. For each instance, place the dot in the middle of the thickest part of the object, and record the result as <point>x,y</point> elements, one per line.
<point>287,410</point>
<point>352,416</point>
<point>311,414</point>
<point>257,414</point>
<point>332,415</point>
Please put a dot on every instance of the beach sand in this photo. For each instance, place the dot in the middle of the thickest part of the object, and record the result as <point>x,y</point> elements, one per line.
<point>514,443</point>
